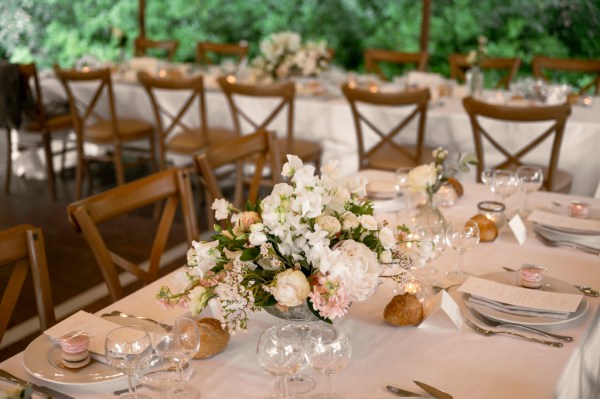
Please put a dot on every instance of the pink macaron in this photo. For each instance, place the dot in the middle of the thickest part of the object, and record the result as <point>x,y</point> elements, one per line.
<point>76,344</point>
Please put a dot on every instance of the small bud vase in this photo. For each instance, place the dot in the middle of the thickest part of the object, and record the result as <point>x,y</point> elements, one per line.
<point>474,81</point>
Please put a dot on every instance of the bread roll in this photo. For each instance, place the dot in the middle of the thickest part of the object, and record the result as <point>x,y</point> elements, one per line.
<point>487,229</point>
<point>458,187</point>
<point>403,310</point>
<point>213,338</point>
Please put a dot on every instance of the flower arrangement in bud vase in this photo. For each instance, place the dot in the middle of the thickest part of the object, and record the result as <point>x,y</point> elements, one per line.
<point>313,240</point>
<point>476,57</point>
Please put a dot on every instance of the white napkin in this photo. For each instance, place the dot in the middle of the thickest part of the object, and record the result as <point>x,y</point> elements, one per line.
<point>565,223</point>
<point>147,64</point>
<point>592,241</point>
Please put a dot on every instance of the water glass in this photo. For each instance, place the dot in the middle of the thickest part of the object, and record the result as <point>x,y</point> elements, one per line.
<point>401,184</point>
<point>531,179</point>
<point>298,383</point>
<point>461,236</point>
<point>504,183</point>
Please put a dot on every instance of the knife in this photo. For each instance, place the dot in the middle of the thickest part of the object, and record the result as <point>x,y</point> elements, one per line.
<point>403,392</point>
<point>49,392</point>
<point>436,393</point>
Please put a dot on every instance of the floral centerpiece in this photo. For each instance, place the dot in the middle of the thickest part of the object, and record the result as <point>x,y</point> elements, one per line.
<point>312,241</point>
<point>476,57</point>
<point>284,55</point>
<point>474,76</point>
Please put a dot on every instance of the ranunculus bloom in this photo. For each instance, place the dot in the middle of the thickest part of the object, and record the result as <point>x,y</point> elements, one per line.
<point>422,176</point>
<point>329,223</point>
<point>368,222</point>
<point>291,287</point>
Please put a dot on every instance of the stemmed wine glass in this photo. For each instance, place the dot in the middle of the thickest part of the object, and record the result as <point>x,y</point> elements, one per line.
<point>401,184</point>
<point>177,340</point>
<point>504,183</point>
<point>462,236</point>
<point>486,177</point>
<point>431,245</point>
<point>328,350</point>
<point>128,348</point>
<point>531,179</point>
<point>280,353</point>
<point>299,383</point>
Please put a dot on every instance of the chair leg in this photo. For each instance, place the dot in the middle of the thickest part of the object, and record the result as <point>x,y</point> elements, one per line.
<point>8,161</point>
<point>46,138</point>
<point>81,164</point>
<point>118,161</point>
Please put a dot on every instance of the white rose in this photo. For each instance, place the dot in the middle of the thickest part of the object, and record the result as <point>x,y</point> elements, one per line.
<point>422,176</point>
<point>385,256</point>
<point>368,222</point>
<point>387,238</point>
<point>329,223</point>
<point>291,287</point>
<point>351,221</point>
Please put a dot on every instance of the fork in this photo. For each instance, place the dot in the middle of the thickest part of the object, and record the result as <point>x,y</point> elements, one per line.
<point>489,333</point>
<point>566,244</point>
<point>493,323</point>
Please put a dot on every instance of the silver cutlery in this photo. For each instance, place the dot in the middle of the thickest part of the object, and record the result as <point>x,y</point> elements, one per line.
<point>586,289</point>
<point>489,333</point>
<point>433,391</point>
<point>566,244</point>
<point>403,392</point>
<point>48,392</point>
<point>494,323</point>
<point>118,313</point>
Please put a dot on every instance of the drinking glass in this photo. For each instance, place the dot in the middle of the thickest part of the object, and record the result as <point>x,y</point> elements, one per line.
<point>401,184</point>
<point>504,183</point>
<point>128,348</point>
<point>177,340</point>
<point>162,375</point>
<point>431,245</point>
<point>531,179</point>
<point>462,236</point>
<point>280,353</point>
<point>299,383</point>
<point>486,177</point>
<point>328,350</point>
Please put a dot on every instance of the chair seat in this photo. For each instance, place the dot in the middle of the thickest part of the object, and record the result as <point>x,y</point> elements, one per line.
<point>191,141</point>
<point>562,181</point>
<point>58,122</point>
<point>306,150</point>
<point>388,158</point>
<point>128,130</point>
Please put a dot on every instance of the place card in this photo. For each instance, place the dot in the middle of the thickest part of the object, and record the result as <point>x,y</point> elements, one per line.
<point>519,296</point>
<point>441,312</point>
<point>518,228</point>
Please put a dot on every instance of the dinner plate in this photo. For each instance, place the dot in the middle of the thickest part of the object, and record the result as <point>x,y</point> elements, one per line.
<point>42,359</point>
<point>550,285</point>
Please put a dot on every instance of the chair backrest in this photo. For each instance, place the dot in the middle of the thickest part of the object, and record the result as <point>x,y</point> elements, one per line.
<point>205,49</point>
<point>540,64</point>
<point>509,67</point>
<point>556,114</point>
<point>417,98</point>
<point>373,57</point>
<point>142,45</point>
<point>22,247</point>
<point>194,90</point>
<point>171,186</point>
<point>283,92</point>
<point>255,150</point>
<point>29,73</point>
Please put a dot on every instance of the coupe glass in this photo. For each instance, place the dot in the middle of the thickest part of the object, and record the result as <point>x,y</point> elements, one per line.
<point>177,340</point>
<point>299,383</point>
<point>328,350</point>
<point>462,236</point>
<point>128,348</point>
<point>504,183</point>
<point>531,179</point>
<point>280,353</point>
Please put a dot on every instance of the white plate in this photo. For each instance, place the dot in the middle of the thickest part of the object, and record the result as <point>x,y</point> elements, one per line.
<point>42,359</point>
<point>550,284</point>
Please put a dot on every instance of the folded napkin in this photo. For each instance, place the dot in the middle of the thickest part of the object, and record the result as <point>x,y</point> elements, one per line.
<point>592,241</point>
<point>381,184</point>
<point>565,223</point>
<point>517,310</point>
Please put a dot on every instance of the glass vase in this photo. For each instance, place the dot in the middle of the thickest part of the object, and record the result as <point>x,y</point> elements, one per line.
<point>300,312</point>
<point>429,215</point>
<point>474,81</point>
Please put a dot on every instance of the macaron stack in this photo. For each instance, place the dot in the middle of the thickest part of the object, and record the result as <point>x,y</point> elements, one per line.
<point>75,352</point>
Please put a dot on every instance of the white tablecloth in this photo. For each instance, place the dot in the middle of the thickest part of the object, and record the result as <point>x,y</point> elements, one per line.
<point>460,362</point>
<point>330,121</point>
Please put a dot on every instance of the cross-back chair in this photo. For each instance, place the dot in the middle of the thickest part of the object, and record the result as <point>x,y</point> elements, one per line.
<point>142,45</point>
<point>284,94</point>
<point>171,186</point>
<point>541,65</point>
<point>204,50</point>
<point>177,134</point>
<point>508,67</point>
<point>387,153</point>
<point>103,130</point>
<point>22,247</point>
<point>373,57</point>
<point>554,178</point>
<point>254,151</point>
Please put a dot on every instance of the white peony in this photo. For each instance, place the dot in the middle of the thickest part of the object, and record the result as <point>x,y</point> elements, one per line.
<point>291,287</point>
<point>422,176</point>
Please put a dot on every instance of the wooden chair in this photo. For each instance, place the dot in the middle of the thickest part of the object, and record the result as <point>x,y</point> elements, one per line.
<point>373,57</point>
<point>171,186</point>
<point>111,131</point>
<point>307,150</point>
<point>507,66</point>
<point>387,153</point>
<point>142,45</point>
<point>554,179</point>
<point>205,49</point>
<point>22,247</point>
<point>175,135</point>
<point>253,151</point>
<point>46,123</point>
<point>540,64</point>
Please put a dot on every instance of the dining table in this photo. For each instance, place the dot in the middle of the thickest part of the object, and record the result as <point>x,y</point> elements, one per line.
<point>324,115</point>
<point>451,357</point>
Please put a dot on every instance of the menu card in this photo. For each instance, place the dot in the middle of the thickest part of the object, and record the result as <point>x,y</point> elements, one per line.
<point>565,222</point>
<point>95,327</point>
<point>519,296</point>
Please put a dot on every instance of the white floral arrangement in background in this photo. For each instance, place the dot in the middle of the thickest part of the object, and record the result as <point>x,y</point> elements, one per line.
<point>284,55</point>
<point>313,240</point>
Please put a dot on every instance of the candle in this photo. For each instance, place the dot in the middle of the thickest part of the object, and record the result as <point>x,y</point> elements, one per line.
<point>578,209</point>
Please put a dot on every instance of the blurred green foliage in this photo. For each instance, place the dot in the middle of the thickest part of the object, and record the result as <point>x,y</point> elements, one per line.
<point>61,31</point>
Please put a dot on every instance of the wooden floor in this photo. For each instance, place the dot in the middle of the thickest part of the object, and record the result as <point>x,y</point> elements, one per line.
<point>73,270</point>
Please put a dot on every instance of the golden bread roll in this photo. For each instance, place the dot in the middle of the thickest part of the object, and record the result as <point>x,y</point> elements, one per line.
<point>487,229</point>
<point>213,338</point>
<point>403,310</point>
<point>458,187</point>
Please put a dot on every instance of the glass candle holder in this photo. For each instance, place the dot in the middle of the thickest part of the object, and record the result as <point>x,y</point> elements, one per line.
<point>578,209</point>
<point>494,211</point>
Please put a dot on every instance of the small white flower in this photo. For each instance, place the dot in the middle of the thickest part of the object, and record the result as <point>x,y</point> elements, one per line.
<point>291,166</point>
<point>257,238</point>
<point>221,207</point>
<point>350,221</point>
<point>291,287</point>
<point>368,222</point>
<point>385,256</point>
<point>199,297</point>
